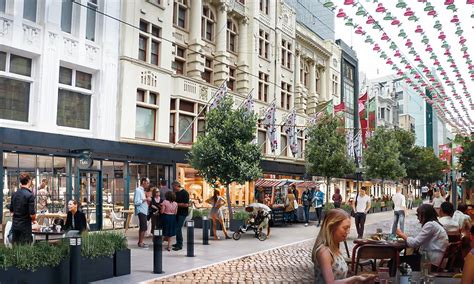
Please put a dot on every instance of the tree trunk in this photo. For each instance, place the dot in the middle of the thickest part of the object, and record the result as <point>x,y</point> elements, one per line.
<point>229,203</point>
<point>383,189</point>
<point>328,189</point>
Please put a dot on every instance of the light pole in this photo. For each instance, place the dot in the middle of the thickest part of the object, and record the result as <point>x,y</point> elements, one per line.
<point>454,192</point>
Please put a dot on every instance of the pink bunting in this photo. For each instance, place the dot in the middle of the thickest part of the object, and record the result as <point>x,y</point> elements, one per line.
<point>370,20</point>
<point>418,30</point>
<point>408,12</point>
<point>341,13</point>
<point>442,36</point>
<point>380,8</point>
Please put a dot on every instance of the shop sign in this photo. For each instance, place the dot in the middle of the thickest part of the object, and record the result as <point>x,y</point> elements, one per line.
<point>85,162</point>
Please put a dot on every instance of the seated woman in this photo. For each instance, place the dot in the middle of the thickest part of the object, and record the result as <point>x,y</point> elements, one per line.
<point>76,220</point>
<point>329,264</point>
<point>432,239</point>
<point>467,271</point>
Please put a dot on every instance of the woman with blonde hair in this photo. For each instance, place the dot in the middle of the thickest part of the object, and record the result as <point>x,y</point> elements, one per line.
<point>217,215</point>
<point>329,264</point>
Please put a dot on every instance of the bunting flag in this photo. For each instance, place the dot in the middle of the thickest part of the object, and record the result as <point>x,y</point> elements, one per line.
<point>362,101</point>
<point>249,104</point>
<point>340,107</point>
<point>358,147</point>
<point>289,127</point>
<point>363,115</point>
<point>219,95</point>
<point>269,122</point>
<point>350,142</point>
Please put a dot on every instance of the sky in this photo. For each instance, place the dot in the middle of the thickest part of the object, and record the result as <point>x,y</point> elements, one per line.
<point>371,64</point>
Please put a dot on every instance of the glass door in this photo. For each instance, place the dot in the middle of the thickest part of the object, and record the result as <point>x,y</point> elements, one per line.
<point>90,197</point>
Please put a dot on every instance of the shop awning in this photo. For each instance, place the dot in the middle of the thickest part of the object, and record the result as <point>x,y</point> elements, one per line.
<point>269,182</point>
<point>306,184</point>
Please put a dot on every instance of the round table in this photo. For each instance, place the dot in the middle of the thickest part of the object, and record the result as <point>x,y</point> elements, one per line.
<point>47,234</point>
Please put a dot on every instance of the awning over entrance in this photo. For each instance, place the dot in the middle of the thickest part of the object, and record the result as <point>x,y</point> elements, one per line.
<point>306,184</point>
<point>269,182</point>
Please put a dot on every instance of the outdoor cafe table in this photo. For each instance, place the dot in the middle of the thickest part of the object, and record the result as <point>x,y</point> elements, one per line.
<point>50,217</point>
<point>47,234</point>
<point>383,244</point>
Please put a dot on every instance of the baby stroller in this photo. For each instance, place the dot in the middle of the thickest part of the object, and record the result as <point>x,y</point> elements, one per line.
<point>255,223</point>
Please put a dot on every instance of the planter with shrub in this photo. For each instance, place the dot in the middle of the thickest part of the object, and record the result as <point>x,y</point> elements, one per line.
<point>197,216</point>
<point>347,208</point>
<point>376,206</point>
<point>240,218</point>
<point>417,202</point>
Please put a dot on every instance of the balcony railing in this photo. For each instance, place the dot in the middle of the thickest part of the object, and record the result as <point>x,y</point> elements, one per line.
<point>237,7</point>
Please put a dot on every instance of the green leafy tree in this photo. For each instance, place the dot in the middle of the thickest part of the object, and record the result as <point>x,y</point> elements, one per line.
<point>406,141</point>
<point>427,167</point>
<point>466,161</point>
<point>326,151</point>
<point>382,157</point>
<point>226,154</point>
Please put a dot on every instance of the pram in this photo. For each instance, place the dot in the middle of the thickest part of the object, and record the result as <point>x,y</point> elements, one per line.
<point>255,223</point>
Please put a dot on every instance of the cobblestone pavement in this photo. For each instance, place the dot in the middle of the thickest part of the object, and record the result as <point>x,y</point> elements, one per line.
<point>288,264</point>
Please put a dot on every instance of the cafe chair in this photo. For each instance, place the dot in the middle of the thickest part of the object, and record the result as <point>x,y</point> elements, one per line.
<point>454,237</point>
<point>375,252</point>
<point>362,263</point>
<point>449,257</point>
<point>116,219</point>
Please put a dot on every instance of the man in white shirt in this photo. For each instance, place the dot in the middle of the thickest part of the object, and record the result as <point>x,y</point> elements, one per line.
<point>361,207</point>
<point>399,211</point>
<point>424,192</point>
<point>449,224</point>
<point>462,218</point>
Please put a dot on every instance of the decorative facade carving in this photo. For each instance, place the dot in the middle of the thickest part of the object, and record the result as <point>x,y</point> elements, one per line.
<point>30,34</point>
<point>70,45</point>
<point>5,25</point>
<point>149,78</point>
<point>203,91</point>
<point>91,52</point>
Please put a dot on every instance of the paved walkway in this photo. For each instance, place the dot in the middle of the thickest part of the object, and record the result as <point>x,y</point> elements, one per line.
<point>288,264</point>
<point>286,253</point>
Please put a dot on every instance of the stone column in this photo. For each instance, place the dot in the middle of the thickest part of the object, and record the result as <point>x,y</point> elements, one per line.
<point>243,82</point>
<point>221,67</point>
<point>313,96</point>
<point>325,94</point>
<point>300,100</point>
<point>195,60</point>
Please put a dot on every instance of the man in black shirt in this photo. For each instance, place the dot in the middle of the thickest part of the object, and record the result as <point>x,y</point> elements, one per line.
<point>182,198</point>
<point>23,208</point>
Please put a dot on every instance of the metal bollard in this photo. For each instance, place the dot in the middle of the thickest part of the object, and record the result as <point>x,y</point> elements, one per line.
<point>75,260</point>
<point>190,239</point>
<point>205,230</point>
<point>157,252</point>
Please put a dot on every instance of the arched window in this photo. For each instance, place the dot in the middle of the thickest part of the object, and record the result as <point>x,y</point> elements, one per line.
<point>304,73</point>
<point>207,24</point>
<point>180,10</point>
<point>318,82</point>
<point>232,34</point>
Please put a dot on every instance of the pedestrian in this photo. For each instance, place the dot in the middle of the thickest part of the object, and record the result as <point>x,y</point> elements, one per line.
<point>424,192</point>
<point>76,219</point>
<point>410,200</point>
<point>430,194</point>
<point>168,211</point>
<point>318,202</point>
<point>329,263</point>
<point>23,208</point>
<point>294,217</point>
<point>446,218</point>
<point>154,209</point>
<point>163,189</point>
<point>289,205</point>
<point>43,197</point>
<point>437,201</point>
<point>464,220</point>
<point>141,209</point>
<point>432,240</point>
<point>182,198</point>
<point>306,200</point>
<point>337,198</point>
<point>361,207</point>
<point>399,211</point>
<point>216,214</point>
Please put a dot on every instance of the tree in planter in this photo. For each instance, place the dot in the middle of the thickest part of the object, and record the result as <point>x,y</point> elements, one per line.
<point>382,159</point>
<point>225,153</point>
<point>326,151</point>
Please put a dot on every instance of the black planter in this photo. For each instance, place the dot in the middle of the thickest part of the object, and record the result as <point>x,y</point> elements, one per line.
<point>122,262</point>
<point>96,269</point>
<point>236,224</point>
<point>197,222</point>
<point>58,274</point>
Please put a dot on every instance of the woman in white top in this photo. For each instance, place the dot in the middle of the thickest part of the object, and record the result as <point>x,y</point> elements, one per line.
<point>432,239</point>
<point>437,201</point>
<point>216,212</point>
<point>329,264</point>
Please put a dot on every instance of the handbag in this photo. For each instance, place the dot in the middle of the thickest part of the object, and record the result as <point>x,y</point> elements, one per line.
<point>295,204</point>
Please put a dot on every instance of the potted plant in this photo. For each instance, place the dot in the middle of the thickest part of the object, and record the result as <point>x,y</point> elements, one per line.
<point>97,253</point>
<point>389,204</point>
<point>197,216</point>
<point>376,206</point>
<point>122,256</point>
<point>27,264</point>
<point>240,218</point>
<point>347,208</point>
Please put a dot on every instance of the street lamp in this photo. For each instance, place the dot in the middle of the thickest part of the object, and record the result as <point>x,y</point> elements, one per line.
<point>453,175</point>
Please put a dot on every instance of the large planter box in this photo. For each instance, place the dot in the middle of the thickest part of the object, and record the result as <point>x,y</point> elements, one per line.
<point>96,269</point>
<point>236,224</point>
<point>197,222</point>
<point>122,262</point>
<point>58,274</point>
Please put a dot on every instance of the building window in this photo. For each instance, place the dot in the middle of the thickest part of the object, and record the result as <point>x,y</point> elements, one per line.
<point>91,17</point>
<point>318,82</point>
<point>183,125</point>
<point>285,95</point>
<point>3,4</point>
<point>66,16</point>
<point>264,6</point>
<point>262,140</point>
<point>147,108</point>
<point>207,74</point>
<point>304,74</point>
<point>286,54</point>
<point>149,43</point>
<point>263,44</point>
<point>15,83</point>
<point>179,60</point>
<point>180,10</point>
<point>263,86</point>
<point>335,85</point>
<point>74,98</point>
<point>283,143</point>
<point>29,10</point>
<point>231,80</point>
<point>207,24</point>
<point>231,36</point>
